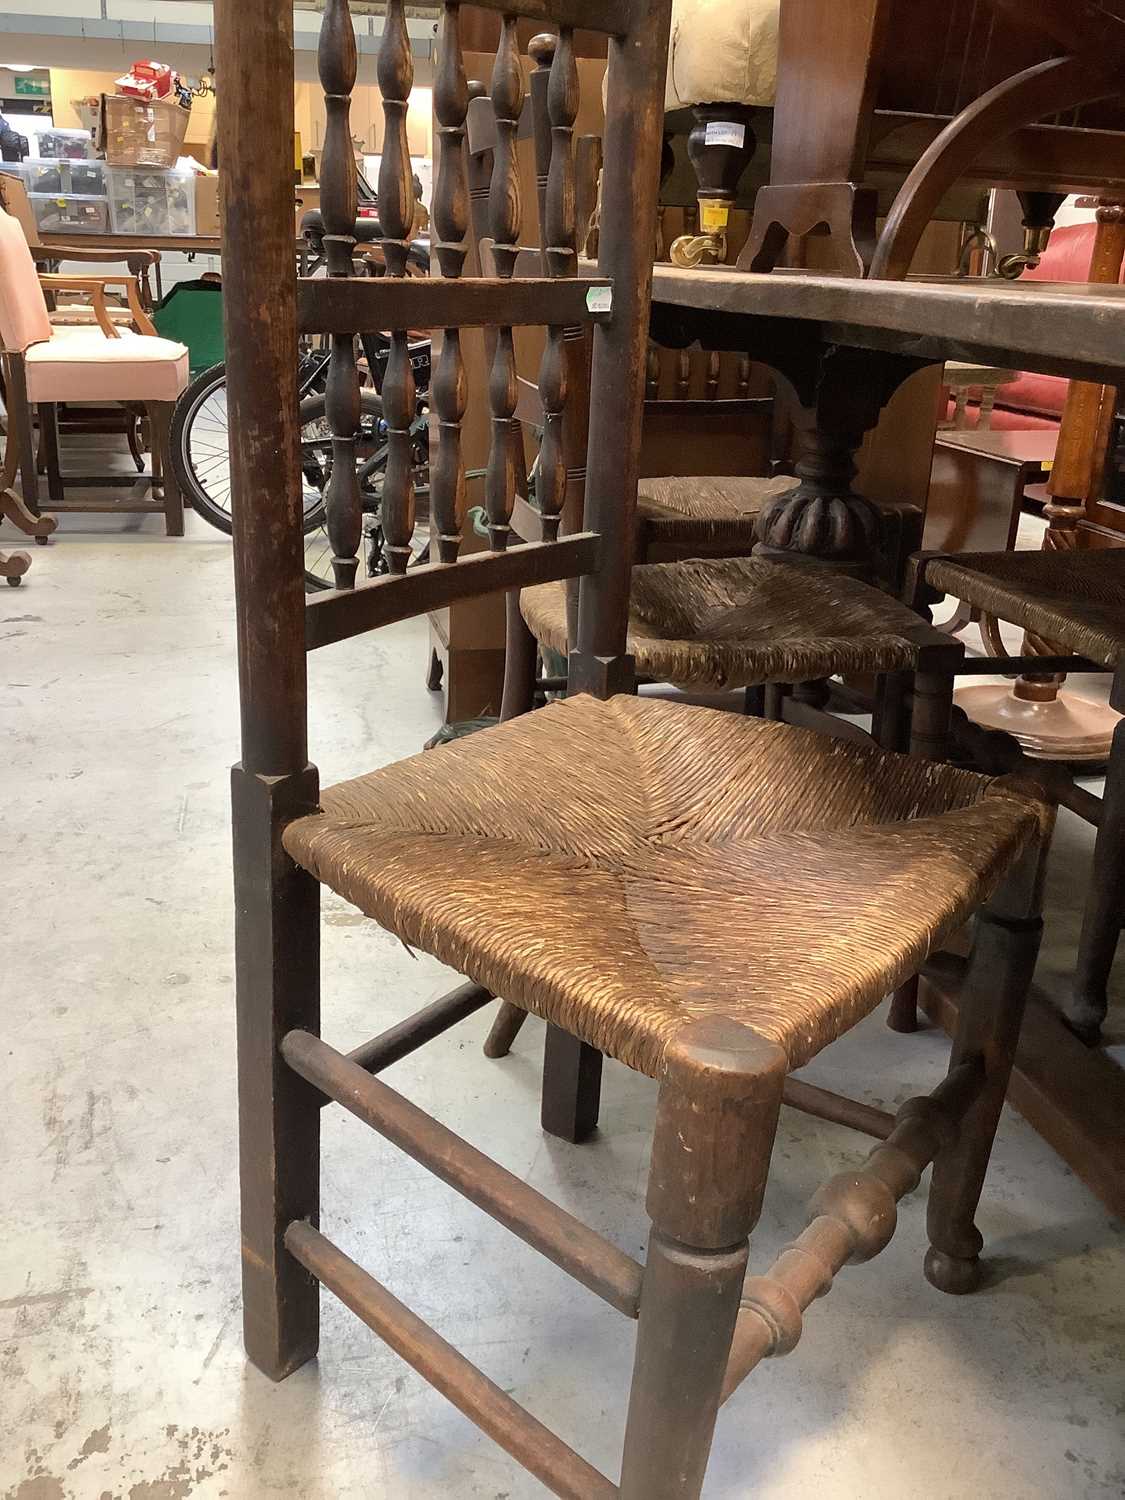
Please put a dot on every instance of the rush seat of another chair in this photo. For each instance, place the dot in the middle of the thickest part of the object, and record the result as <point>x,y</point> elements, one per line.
<point>48,365</point>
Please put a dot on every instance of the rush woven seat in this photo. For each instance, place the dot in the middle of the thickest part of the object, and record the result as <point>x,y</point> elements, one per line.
<point>790,882</point>
<point>1074,598</point>
<point>713,513</point>
<point>735,622</point>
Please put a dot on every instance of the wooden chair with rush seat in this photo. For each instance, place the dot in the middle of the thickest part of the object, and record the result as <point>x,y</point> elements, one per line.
<point>46,364</point>
<point>851,862</point>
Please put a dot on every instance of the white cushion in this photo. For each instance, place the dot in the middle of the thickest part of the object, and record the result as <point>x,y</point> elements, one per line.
<point>723,52</point>
<point>81,364</point>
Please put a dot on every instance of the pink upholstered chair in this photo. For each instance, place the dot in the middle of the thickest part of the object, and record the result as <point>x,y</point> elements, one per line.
<point>46,365</point>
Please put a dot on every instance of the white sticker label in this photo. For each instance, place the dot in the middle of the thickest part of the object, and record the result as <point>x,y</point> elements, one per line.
<point>724,133</point>
<point>599,299</point>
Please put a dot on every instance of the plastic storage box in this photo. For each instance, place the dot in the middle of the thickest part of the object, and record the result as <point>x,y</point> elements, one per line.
<point>61,174</point>
<point>69,213</point>
<point>71,143</point>
<point>146,200</point>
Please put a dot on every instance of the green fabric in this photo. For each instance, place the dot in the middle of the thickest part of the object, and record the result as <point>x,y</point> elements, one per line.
<point>192,314</point>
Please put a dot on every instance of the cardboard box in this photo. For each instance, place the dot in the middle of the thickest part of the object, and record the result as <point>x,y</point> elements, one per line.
<point>142,133</point>
<point>207,206</point>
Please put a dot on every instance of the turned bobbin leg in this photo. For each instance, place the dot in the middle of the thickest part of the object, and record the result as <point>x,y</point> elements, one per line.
<point>715,1125</point>
<point>1105,902</point>
<point>1001,965</point>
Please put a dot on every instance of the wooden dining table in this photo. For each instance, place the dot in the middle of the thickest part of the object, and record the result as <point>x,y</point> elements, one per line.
<point>840,347</point>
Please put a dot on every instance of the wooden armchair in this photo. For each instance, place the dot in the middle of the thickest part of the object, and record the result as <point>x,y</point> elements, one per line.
<point>47,365</point>
<point>139,263</point>
<point>864,861</point>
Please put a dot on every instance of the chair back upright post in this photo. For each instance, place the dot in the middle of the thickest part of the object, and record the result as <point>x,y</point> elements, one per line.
<point>631,173</point>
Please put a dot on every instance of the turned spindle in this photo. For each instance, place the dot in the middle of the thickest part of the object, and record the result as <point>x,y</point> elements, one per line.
<point>396,216</point>
<point>451,222</point>
<point>504,212</point>
<point>336,64</point>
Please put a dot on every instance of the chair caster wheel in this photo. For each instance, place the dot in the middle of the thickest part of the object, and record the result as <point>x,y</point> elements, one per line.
<point>14,583</point>
<point>41,541</point>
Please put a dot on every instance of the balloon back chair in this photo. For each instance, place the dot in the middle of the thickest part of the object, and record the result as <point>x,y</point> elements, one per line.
<point>706,897</point>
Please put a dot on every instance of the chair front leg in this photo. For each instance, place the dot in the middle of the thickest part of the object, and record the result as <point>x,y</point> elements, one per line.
<point>990,1011</point>
<point>715,1125</point>
<point>1105,901</point>
<point>19,416</point>
<point>931,715</point>
<point>49,433</point>
<point>277,967</point>
<point>163,472</point>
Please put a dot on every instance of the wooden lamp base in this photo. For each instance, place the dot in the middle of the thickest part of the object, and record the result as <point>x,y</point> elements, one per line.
<point>1066,727</point>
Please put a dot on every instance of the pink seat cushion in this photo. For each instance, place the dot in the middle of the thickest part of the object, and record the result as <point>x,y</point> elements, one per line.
<point>83,365</point>
<point>23,312</point>
<point>1041,395</point>
<point>1005,421</point>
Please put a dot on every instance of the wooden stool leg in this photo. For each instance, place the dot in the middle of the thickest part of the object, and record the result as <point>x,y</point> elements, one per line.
<point>19,416</point>
<point>160,421</point>
<point>754,701</point>
<point>572,1086</point>
<point>277,961</point>
<point>1105,904</point>
<point>888,722</point>
<point>930,719</point>
<point>715,1126</point>
<point>521,651</point>
<point>931,715</point>
<point>997,981</point>
<point>505,1029</point>
<point>49,432</point>
<point>903,1014</point>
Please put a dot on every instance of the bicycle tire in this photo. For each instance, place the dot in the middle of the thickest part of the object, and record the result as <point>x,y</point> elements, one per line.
<point>206,384</point>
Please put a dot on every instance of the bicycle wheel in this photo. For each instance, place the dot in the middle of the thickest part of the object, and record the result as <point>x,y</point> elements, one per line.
<point>200,445</point>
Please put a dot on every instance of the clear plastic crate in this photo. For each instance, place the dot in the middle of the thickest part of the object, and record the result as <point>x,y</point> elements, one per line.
<point>61,174</point>
<point>58,143</point>
<point>151,200</point>
<point>69,213</point>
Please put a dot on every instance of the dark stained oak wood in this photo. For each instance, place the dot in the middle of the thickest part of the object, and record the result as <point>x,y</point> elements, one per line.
<point>1072,1095</point>
<point>719,1104</point>
<point>336,615</point>
<point>584,1254</point>
<point>448,394</point>
<point>366,304</point>
<point>337,63</point>
<point>612,16</point>
<point>482,1401</point>
<point>1059,328</point>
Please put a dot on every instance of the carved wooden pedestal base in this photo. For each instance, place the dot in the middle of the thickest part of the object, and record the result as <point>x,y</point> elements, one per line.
<point>1067,727</point>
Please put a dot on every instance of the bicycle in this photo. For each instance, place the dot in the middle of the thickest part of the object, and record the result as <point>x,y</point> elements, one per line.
<point>201,451</point>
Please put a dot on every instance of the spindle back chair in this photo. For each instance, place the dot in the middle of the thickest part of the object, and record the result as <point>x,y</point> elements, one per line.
<point>862,860</point>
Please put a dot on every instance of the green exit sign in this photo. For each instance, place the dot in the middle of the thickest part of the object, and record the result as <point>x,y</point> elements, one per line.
<point>36,88</point>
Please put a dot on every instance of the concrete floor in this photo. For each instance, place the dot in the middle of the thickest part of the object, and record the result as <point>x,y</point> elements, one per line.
<point>122,1372</point>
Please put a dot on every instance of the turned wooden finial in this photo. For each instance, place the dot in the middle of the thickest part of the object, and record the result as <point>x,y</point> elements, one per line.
<point>541,49</point>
